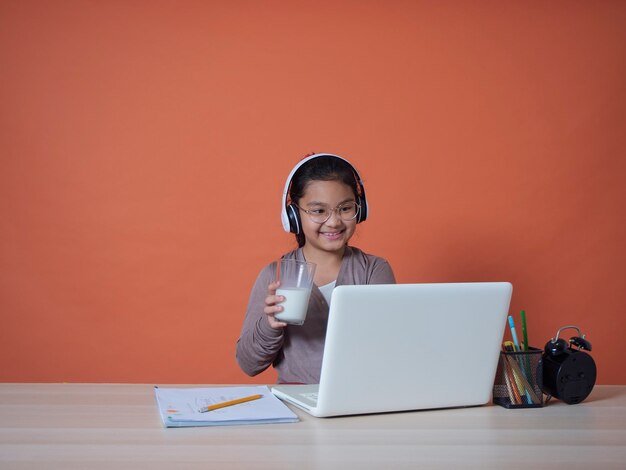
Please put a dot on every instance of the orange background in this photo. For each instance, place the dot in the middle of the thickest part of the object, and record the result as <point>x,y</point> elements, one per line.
<point>144,146</point>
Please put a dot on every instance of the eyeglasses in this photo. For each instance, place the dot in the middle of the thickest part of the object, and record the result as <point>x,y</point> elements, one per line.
<point>346,211</point>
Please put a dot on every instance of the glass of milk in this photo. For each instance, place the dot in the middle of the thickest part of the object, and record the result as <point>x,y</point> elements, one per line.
<point>296,281</point>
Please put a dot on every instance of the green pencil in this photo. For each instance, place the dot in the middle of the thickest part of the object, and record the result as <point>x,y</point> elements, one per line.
<point>524,331</point>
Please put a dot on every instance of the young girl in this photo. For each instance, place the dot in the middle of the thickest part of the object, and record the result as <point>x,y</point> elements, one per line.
<point>323,201</point>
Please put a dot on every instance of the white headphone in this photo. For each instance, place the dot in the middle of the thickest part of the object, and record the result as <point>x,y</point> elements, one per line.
<point>290,215</point>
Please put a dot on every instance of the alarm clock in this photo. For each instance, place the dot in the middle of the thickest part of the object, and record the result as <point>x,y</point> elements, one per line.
<point>569,373</point>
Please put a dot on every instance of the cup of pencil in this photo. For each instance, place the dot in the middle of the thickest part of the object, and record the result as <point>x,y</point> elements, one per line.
<point>519,378</point>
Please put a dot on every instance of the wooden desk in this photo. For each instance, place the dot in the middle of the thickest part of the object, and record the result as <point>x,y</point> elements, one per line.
<point>96,426</point>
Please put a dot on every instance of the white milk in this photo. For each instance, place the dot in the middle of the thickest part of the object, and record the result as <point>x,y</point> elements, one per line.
<point>295,305</point>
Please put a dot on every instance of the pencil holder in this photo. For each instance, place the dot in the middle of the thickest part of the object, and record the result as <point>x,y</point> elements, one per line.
<point>519,379</point>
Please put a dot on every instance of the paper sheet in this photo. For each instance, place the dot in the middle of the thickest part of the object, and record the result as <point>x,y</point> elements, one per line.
<point>180,406</point>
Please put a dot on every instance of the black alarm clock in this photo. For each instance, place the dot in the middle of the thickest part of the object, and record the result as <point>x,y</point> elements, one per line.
<point>569,373</point>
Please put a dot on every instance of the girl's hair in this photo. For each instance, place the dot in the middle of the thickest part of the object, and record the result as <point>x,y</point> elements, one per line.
<point>324,168</point>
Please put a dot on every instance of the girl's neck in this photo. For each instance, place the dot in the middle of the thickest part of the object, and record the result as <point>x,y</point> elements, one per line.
<point>328,264</point>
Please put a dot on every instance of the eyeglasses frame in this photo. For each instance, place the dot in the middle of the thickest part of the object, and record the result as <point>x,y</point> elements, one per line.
<point>332,211</point>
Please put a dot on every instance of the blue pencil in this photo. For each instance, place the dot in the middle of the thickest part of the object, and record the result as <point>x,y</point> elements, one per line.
<point>513,333</point>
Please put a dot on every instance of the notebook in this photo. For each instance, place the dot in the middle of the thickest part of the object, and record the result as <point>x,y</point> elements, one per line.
<point>400,347</point>
<point>181,407</point>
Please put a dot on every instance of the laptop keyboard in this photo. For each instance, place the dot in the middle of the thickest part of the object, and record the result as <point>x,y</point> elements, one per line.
<point>310,396</point>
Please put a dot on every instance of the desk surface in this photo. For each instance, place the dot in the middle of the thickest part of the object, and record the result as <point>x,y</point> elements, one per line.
<point>96,426</point>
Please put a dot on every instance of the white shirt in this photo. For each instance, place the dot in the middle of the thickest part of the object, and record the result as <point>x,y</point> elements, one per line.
<point>327,290</point>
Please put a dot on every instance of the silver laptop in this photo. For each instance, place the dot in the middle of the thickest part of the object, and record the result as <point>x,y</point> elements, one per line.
<point>399,347</point>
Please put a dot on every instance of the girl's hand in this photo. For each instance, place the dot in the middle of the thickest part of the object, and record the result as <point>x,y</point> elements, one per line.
<point>271,307</point>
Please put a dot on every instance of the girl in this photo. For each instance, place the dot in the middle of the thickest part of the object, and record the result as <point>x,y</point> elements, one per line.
<point>323,201</point>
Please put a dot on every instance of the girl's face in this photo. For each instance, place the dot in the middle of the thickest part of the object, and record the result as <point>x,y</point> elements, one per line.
<point>332,235</point>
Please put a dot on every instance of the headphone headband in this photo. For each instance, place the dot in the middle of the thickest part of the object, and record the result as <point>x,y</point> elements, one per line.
<point>287,224</point>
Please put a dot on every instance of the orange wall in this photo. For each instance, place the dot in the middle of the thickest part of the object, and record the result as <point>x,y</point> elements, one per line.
<point>144,146</point>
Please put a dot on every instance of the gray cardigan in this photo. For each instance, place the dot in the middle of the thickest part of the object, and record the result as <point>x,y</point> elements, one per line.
<point>296,351</point>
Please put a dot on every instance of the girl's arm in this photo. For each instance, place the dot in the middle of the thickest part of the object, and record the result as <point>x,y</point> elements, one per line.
<point>259,344</point>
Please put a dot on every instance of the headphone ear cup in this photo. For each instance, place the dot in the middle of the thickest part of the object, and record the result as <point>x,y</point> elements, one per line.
<point>294,219</point>
<point>362,211</point>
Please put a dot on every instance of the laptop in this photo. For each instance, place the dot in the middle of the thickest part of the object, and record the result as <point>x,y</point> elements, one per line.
<point>401,347</point>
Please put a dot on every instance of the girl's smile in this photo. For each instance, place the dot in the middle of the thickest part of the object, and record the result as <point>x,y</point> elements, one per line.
<point>332,235</point>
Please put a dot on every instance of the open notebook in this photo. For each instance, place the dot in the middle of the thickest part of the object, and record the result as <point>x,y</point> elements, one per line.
<point>407,347</point>
<point>180,407</point>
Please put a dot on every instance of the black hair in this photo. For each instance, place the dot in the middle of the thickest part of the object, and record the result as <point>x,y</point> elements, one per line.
<point>323,168</point>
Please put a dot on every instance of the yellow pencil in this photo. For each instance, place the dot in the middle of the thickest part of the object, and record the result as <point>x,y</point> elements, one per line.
<point>229,403</point>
